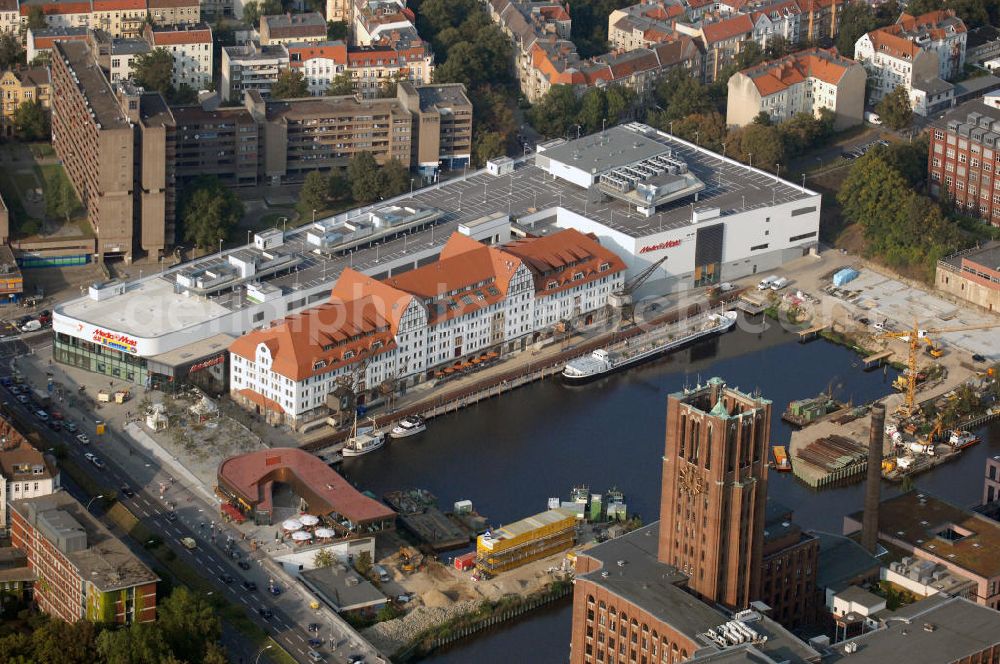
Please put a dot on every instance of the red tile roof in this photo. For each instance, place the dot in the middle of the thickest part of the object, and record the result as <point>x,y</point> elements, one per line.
<point>562,255</point>
<point>58,8</point>
<point>252,476</point>
<point>177,37</point>
<point>118,5</point>
<point>727,29</point>
<point>777,75</point>
<point>307,51</point>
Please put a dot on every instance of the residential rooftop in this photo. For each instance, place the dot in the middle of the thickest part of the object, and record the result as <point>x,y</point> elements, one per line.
<point>94,85</point>
<point>442,96</point>
<point>841,560</point>
<point>103,559</point>
<point>987,255</point>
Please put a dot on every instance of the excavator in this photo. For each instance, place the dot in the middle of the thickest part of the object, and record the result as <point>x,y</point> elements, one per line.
<point>623,300</point>
<point>914,338</point>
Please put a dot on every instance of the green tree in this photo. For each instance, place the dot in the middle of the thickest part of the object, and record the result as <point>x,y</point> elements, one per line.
<point>31,121</point>
<point>778,47</point>
<point>680,95</point>
<point>323,558</point>
<point>290,84</point>
<point>11,53</point>
<point>154,70</point>
<point>856,19</point>
<point>142,642</point>
<point>894,109</point>
<point>363,563</point>
<point>394,178</point>
<point>761,146</point>
<point>251,12</point>
<point>188,624</point>
<point>804,131</point>
<point>763,118</point>
<point>336,30</point>
<point>209,211</point>
<point>67,643</point>
<point>341,84</point>
<point>621,101</point>
<point>362,173</point>
<point>486,145</point>
<point>556,113</point>
<point>36,18</point>
<point>184,95</point>
<point>340,188</point>
<point>463,65</point>
<point>705,129</point>
<point>315,192</point>
<point>60,201</point>
<point>388,87</point>
<point>593,110</point>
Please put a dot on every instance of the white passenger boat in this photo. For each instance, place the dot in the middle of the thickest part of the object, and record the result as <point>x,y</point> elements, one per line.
<point>408,426</point>
<point>634,351</point>
<point>363,442</point>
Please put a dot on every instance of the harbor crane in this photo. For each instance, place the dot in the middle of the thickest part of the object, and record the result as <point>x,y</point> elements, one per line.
<point>914,338</point>
<point>622,300</point>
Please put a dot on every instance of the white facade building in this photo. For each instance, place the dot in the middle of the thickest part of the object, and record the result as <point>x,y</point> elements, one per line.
<point>24,471</point>
<point>475,299</point>
<point>191,48</point>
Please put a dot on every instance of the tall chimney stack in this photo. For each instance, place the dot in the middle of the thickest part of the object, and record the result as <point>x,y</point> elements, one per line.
<point>869,526</point>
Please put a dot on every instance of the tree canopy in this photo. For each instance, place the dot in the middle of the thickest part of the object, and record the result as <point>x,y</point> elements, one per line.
<point>209,211</point>
<point>975,13</point>
<point>290,84</point>
<point>341,84</point>
<point>154,70</point>
<point>36,18</point>
<point>680,95</point>
<point>336,30</point>
<point>11,53</point>
<point>894,110</point>
<point>362,173</point>
<point>856,19</point>
<point>31,121</point>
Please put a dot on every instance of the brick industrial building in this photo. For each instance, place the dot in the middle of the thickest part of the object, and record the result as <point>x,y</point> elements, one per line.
<point>973,275</point>
<point>652,595</point>
<point>965,157</point>
<point>84,572</point>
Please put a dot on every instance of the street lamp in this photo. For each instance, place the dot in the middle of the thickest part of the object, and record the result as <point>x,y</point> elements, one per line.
<point>411,187</point>
<point>257,659</point>
<point>314,215</point>
<point>89,502</point>
<point>220,245</point>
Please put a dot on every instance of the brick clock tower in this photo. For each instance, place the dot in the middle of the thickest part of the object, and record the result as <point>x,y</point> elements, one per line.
<point>713,491</point>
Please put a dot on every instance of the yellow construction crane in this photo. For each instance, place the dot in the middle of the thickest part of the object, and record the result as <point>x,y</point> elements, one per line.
<point>913,338</point>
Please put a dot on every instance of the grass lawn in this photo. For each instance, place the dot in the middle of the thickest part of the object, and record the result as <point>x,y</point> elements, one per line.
<point>25,181</point>
<point>273,219</point>
<point>41,150</point>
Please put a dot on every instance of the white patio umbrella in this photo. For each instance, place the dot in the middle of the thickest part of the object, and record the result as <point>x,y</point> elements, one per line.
<point>325,533</point>
<point>292,524</point>
<point>309,520</point>
<point>301,536</point>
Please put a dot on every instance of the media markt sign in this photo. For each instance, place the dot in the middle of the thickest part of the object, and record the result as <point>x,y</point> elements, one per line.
<point>119,342</point>
<point>668,244</point>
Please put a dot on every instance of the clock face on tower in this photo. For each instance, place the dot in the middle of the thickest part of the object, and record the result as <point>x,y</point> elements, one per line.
<point>690,482</point>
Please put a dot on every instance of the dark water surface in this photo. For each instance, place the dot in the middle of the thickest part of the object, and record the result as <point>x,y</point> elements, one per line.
<point>509,455</point>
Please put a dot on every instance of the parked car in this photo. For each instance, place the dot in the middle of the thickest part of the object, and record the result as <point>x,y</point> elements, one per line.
<point>92,458</point>
<point>315,656</point>
<point>127,492</point>
<point>249,586</point>
<point>275,590</point>
<point>725,287</point>
<point>31,326</point>
<point>83,439</point>
<point>266,614</point>
<point>872,118</point>
<point>22,398</point>
<point>313,627</point>
<point>226,578</point>
<point>55,425</point>
<point>315,643</point>
<point>780,283</point>
<point>766,282</point>
<point>171,516</point>
<point>243,565</point>
<point>978,358</point>
<point>42,415</point>
<point>70,426</point>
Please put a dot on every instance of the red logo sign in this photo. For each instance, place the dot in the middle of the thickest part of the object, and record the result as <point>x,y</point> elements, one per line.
<point>219,359</point>
<point>115,340</point>
<point>669,244</point>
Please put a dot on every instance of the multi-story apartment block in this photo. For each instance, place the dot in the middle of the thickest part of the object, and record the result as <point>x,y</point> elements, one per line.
<point>174,12</point>
<point>292,28</point>
<point>113,143</point>
<point>10,18</point>
<point>224,143</point>
<point>24,471</point>
<point>643,25</point>
<point>250,67</point>
<point>190,44</point>
<point>964,160</point>
<point>40,41</point>
<point>474,299</point>
<point>116,56</point>
<point>804,82</point>
<point>20,86</point>
<point>119,18</point>
<point>302,135</point>
<point>339,11</point>
<point>723,39</point>
<point>84,572</point>
<point>918,54</point>
<point>789,568</point>
<point>370,67</point>
<point>820,19</point>
<point>442,126</point>
<point>381,21</point>
<point>58,14</point>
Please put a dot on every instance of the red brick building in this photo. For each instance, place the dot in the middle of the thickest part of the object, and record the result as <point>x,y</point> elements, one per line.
<point>84,572</point>
<point>964,159</point>
<point>789,568</point>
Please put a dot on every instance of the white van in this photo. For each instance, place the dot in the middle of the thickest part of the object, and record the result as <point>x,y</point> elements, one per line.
<point>766,282</point>
<point>872,118</point>
<point>778,284</point>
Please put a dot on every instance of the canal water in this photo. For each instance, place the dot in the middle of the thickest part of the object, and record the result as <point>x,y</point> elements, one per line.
<point>509,455</point>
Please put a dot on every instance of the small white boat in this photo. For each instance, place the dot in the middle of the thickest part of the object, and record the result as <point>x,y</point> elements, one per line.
<point>408,426</point>
<point>363,443</point>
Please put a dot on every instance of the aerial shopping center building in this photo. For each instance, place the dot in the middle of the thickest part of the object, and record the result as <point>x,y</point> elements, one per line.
<point>631,195</point>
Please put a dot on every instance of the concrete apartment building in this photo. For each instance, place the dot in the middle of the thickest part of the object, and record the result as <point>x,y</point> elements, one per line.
<point>292,28</point>
<point>19,86</point>
<point>972,275</point>
<point>964,147</point>
<point>112,142</point>
<point>191,46</point>
<point>115,56</point>
<point>919,53</point>
<point>39,41</point>
<point>250,66</point>
<point>473,299</point>
<point>803,82</point>
<point>224,143</point>
<point>24,471</point>
<point>442,126</point>
<point>84,572</point>
<point>302,135</point>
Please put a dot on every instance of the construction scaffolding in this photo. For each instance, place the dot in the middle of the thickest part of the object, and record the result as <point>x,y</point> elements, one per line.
<point>524,541</point>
